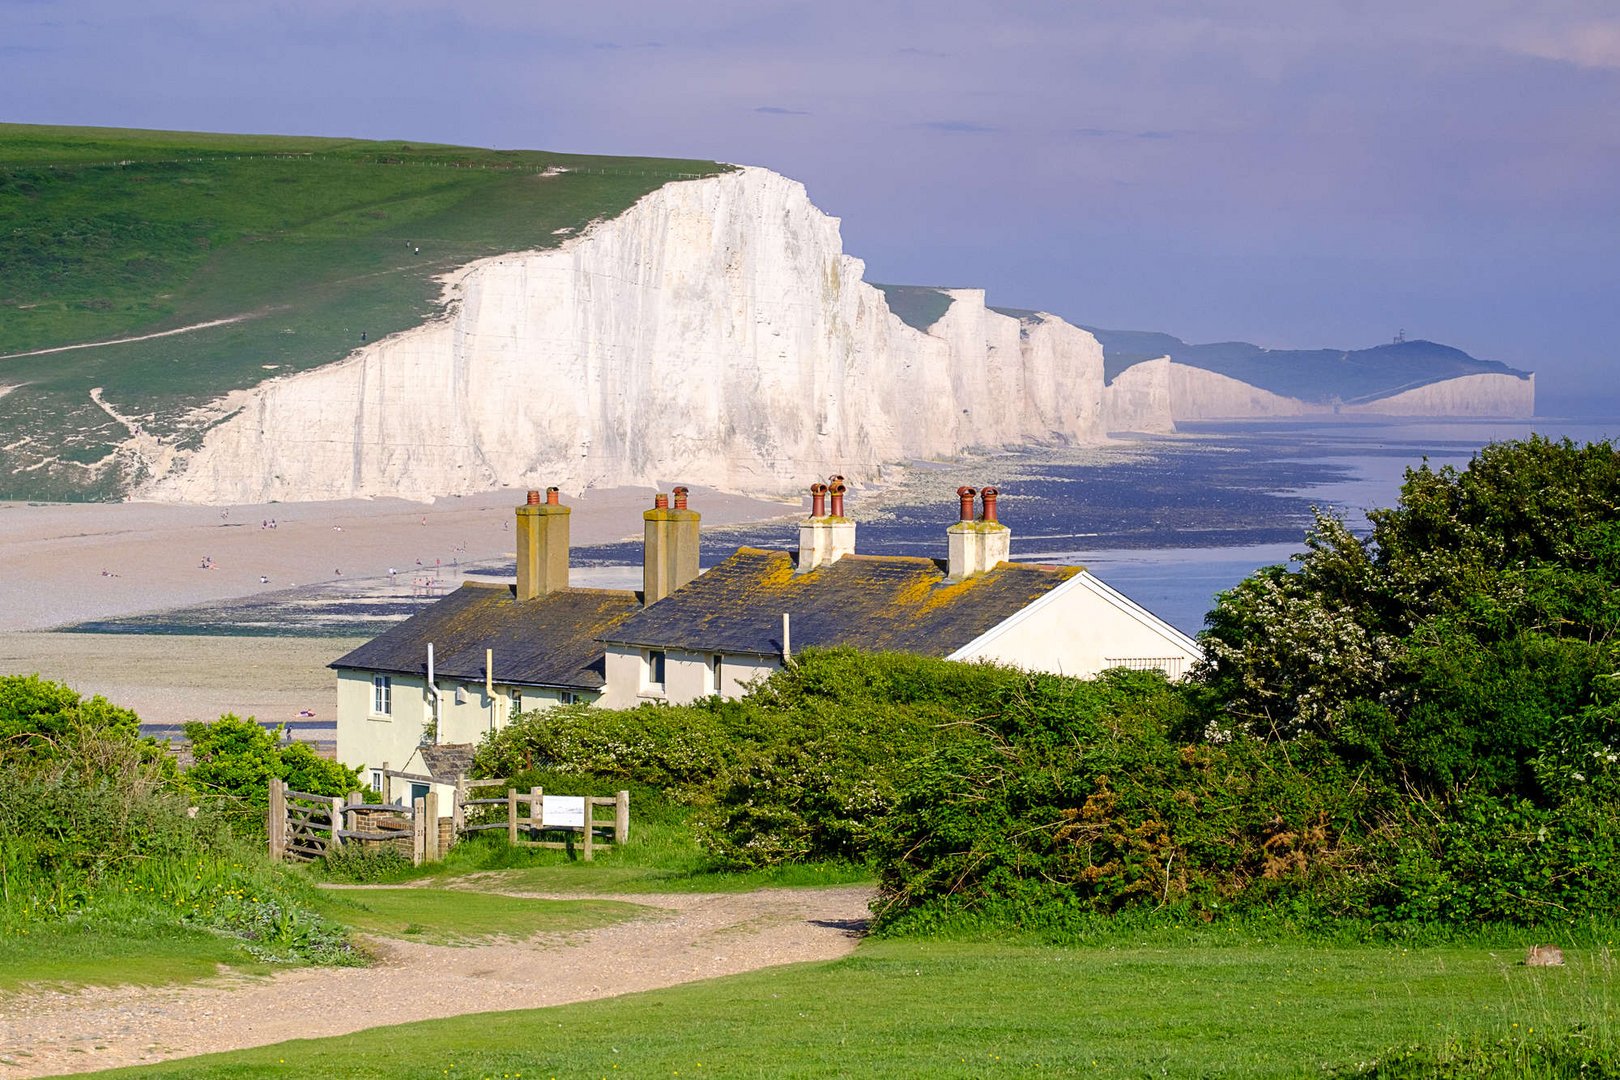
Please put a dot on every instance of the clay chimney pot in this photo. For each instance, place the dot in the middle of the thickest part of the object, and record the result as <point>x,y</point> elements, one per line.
<point>534,498</point>
<point>680,498</point>
<point>552,496</point>
<point>660,501</point>
<point>989,495</point>
<point>965,494</point>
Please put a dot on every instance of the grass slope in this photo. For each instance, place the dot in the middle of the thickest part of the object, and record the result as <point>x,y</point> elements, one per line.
<point>920,1009</point>
<point>307,243</point>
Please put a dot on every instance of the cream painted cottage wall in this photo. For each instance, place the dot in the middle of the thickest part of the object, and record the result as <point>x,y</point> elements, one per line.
<point>368,739</point>
<point>1081,628</point>
<point>688,676</point>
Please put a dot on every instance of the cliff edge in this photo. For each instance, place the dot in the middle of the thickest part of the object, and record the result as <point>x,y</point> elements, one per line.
<point>714,332</point>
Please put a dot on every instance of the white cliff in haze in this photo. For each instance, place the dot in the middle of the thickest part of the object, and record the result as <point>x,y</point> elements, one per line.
<point>714,333</point>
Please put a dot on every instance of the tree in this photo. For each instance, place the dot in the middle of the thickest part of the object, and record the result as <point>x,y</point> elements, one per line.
<point>237,758</point>
<point>1471,635</point>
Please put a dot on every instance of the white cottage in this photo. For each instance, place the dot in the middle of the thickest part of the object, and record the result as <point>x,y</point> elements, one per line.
<point>741,619</point>
<point>470,662</point>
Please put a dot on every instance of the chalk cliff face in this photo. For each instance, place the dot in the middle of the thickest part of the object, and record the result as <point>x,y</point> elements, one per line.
<point>1153,395</point>
<point>1467,395</point>
<point>715,332</point>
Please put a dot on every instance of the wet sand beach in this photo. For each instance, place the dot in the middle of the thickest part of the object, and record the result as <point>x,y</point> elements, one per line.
<point>62,564</point>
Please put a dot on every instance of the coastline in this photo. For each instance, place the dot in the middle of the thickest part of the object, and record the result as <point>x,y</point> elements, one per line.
<point>68,563</point>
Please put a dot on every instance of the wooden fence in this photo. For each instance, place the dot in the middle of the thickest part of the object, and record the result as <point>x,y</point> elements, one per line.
<point>305,827</point>
<point>525,830</point>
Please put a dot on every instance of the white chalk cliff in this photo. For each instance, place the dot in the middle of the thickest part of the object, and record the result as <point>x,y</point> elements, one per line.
<point>713,333</point>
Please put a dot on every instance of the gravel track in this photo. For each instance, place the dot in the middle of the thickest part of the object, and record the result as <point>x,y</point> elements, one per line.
<point>684,938</point>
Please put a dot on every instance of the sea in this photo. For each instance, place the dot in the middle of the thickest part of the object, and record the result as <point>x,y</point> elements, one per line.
<point>1170,521</point>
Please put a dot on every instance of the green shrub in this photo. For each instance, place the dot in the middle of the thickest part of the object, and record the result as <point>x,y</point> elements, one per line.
<point>235,759</point>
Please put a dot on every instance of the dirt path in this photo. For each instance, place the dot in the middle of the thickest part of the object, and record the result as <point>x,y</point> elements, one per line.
<point>138,337</point>
<point>688,937</point>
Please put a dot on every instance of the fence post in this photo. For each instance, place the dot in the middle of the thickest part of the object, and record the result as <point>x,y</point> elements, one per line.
<point>621,817</point>
<point>458,809</point>
<point>511,817</point>
<point>337,823</point>
<point>430,846</point>
<point>590,828</point>
<point>418,832</point>
<point>537,813</point>
<point>277,824</point>
<point>388,784</point>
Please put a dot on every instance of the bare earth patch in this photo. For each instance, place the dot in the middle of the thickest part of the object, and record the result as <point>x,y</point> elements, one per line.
<point>687,937</point>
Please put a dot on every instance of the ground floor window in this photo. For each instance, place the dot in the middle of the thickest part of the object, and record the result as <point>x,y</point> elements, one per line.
<point>382,695</point>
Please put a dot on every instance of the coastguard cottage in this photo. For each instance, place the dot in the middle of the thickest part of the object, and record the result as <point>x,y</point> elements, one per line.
<point>473,660</point>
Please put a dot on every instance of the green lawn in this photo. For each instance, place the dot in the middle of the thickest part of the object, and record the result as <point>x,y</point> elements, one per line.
<point>444,917</point>
<point>114,233</point>
<point>149,953</point>
<point>136,956</point>
<point>936,1009</point>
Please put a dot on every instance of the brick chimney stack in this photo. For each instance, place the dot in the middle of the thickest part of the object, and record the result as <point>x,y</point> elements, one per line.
<point>542,545</point>
<point>976,546</point>
<point>669,555</point>
<point>824,538</point>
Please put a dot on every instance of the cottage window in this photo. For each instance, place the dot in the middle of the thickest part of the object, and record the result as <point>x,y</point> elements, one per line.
<point>654,680</point>
<point>517,701</point>
<point>382,695</point>
<point>568,697</point>
<point>716,681</point>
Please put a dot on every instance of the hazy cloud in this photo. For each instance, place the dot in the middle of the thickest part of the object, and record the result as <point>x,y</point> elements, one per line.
<point>958,127</point>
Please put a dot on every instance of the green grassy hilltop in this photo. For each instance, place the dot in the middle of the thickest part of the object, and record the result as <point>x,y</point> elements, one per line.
<point>302,243</point>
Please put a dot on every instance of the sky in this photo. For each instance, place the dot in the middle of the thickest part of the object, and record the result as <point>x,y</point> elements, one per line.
<point>1298,174</point>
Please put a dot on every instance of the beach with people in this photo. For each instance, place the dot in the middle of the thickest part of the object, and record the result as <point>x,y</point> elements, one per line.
<point>66,564</point>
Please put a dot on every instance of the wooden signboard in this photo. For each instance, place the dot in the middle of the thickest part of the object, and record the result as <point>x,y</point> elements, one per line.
<point>562,812</point>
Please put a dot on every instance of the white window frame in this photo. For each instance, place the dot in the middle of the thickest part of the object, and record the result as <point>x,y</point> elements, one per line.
<point>382,695</point>
<point>654,663</point>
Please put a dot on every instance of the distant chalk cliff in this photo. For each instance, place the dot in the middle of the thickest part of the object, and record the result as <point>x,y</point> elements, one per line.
<point>716,333</point>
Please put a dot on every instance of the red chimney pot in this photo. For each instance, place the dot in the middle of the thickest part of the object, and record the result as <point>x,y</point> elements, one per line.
<point>680,498</point>
<point>836,489</point>
<point>534,498</point>
<point>966,494</point>
<point>818,500</point>
<point>660,501</point>
<point>551,496</point>
<point>989,494</point>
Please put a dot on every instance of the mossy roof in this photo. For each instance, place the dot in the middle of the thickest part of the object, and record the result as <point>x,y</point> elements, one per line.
<point>873,602</point>
<point>552,640</point>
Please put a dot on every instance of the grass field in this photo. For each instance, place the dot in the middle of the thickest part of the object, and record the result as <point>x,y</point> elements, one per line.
<point>441,917</point>
<point>306,243</point>
<point>137,954</point>
<point>921,1009</point>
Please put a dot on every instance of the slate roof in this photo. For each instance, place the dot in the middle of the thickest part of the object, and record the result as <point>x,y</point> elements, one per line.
<point>448,759</point>
<point>551,640</point>
<point>873,602</point>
